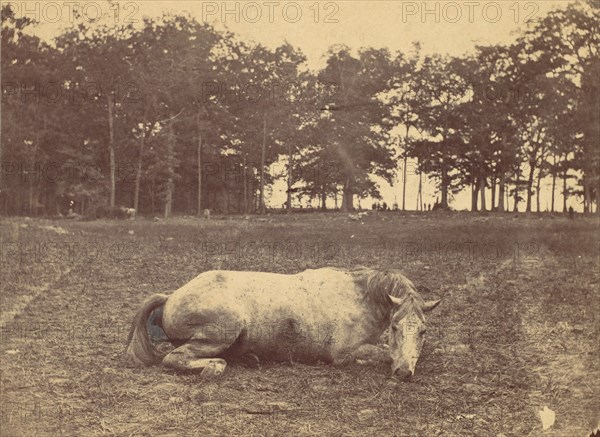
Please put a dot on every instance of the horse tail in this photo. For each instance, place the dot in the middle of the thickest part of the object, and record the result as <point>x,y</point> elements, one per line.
<point>139,350</point>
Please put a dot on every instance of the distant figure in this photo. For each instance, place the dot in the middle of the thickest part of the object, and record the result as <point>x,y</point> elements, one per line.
<point>429,207</point>
<point>571,212</point>
<point>374,206</point>
<point>130,212</point>
<point>384,206</point>
<point>207,214</point>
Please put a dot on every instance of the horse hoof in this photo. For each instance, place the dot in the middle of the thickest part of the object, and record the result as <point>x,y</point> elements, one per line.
<point>251,360</point>
<point>213,368</point>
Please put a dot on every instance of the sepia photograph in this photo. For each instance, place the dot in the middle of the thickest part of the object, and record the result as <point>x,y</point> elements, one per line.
<point>300,218</point>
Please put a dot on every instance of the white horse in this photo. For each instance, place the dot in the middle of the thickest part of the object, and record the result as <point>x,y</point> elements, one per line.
<point>316,315</point>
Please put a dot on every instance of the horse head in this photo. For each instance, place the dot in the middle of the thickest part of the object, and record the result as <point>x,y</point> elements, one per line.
<point>407,332</point>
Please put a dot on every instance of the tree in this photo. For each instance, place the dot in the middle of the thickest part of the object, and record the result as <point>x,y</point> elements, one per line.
<point>407,103</point>
<point>32,110</point>
<point>444,89</point>
<point>352,119</point>
<point>565,44</point>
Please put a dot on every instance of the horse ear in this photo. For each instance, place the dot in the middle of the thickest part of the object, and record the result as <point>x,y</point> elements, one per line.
<point>394,300</point>
<point>430,304</point>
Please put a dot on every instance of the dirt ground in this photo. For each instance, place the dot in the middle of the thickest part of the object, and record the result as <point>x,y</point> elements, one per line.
<point>517,329</point>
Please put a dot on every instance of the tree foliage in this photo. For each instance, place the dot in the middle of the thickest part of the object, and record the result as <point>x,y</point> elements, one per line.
<point>173,115</point>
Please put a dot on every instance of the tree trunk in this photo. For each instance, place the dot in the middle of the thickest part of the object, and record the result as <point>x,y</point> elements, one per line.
<point>517,188</point>
<point>404,184</point>
<point>36,146</point>
<point>554,172</point>
<point>323,199</point>
<point>350,200</point>
<point>501,190</point>
<point>290,181</point>
<point>2,197</point>
<point>474,193</point>
<point>153,194</point>
<point>444,204</point>
<point>493,188</point>
<point>530,186</point>
<point>419,206</point>
<point>252,198</point>
<point>111,146</point>
<point>565,192</point>
<point>347,197</point>
<point>199,166</point>
<point>31,177</point>
<point>537,190</point>
<point>169,198</point>
<point>170,172</point>
<point>482,192</point>
<point>404,169</point>
<point>262,166</point>
<point>138,174</point>
<point>586,194</point>
<point>245,183</point>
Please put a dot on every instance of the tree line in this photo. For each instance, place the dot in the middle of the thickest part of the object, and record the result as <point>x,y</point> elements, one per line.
<point>174,115</point>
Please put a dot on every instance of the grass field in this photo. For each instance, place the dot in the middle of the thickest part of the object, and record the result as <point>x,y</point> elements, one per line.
<point>517,329</point>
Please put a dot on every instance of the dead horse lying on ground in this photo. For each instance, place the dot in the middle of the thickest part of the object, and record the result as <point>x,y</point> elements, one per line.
<point>316,315</point>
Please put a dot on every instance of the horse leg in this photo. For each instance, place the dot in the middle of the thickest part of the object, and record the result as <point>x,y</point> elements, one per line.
<point>199,354</point>
<point>250,360</point>
<point>342,360</point>
<point>369,353</point>
<point>362,354</point>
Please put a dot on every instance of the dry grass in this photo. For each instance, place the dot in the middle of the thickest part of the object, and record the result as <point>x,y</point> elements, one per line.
<point>517,329</point>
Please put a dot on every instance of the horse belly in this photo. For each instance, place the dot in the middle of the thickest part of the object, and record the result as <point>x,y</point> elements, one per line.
<point>289,341</point>
<point>290,346</point>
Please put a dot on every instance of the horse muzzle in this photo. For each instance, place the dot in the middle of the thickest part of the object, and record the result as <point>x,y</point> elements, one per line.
<point>402,372</point>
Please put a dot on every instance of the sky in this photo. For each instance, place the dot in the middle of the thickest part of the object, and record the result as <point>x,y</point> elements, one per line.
<point>447,27</point>
<point>441,26</point>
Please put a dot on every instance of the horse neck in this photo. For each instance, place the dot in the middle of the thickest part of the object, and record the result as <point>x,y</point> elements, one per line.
<point>376,322</point>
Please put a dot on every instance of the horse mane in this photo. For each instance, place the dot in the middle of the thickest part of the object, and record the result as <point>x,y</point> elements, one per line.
<point>377,284</point>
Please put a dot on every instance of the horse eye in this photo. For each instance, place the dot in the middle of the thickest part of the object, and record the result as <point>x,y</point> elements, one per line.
<point>394,328</point>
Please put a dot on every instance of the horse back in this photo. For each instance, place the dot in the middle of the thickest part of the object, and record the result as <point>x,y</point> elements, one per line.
<point>276,314</point>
